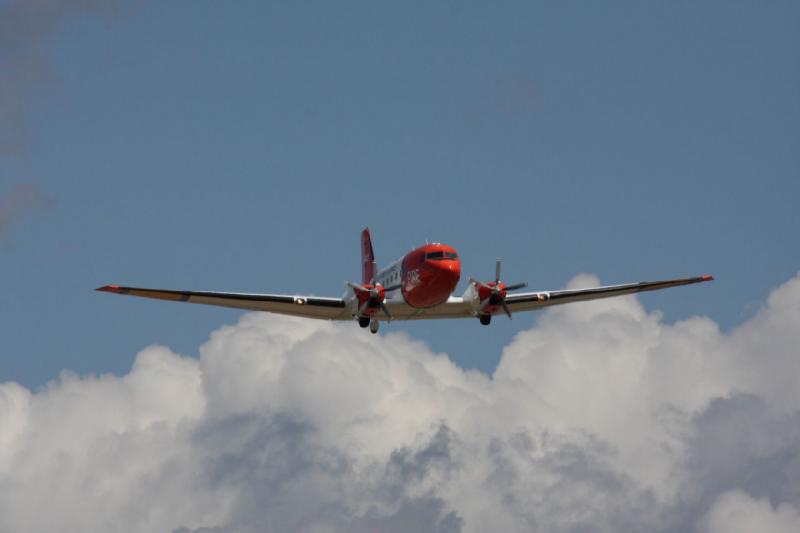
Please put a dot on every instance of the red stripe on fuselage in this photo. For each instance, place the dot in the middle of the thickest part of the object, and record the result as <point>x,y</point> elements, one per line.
<point>429,282</point>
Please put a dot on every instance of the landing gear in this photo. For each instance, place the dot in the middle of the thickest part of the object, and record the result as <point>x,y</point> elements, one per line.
<point>485,319</point>
<point>373,326</point>
<point>363,321</point>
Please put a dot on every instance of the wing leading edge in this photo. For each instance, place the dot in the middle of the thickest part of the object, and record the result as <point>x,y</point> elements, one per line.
<point>304,306</point>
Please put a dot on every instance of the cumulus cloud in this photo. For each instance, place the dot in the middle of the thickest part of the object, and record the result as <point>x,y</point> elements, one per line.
<point>601,417</point>
<point>737,512</point>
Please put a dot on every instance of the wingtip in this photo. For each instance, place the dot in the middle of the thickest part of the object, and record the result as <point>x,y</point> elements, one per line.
<point>108,288</point>
<point>707,278</point>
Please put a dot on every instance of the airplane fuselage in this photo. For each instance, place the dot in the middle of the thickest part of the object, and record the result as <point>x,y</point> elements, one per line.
<point>423,278</point>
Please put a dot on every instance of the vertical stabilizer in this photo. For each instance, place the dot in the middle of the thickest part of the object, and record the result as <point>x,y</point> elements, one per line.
<point>368,267</point>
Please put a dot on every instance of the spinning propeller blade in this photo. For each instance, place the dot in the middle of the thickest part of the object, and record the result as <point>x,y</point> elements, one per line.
<point>497,290</point>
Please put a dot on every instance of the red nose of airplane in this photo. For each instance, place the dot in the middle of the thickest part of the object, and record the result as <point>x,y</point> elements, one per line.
<point>447,273</point>
<point>450,273</point>
<point>432,273</point>
<point>437,279</point>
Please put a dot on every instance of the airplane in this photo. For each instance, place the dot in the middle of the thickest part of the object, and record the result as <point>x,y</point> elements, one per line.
<point>417,286</point>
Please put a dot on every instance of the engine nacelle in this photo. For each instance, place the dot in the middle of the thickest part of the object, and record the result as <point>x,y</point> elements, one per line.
<point>485,300</point>
<point>369,301</point>
<point>472,297</point>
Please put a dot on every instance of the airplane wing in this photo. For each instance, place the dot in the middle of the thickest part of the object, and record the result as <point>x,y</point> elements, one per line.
<point>456,307</point>
<point>537,300</point>
<point>335,309</point>
<point>305,306</point>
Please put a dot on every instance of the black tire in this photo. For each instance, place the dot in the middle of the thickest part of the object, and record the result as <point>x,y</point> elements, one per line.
<point>485,319</point>
<point>363,321</point>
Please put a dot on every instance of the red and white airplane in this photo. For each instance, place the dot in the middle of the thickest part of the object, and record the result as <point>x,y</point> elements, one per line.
<point>418,285</point>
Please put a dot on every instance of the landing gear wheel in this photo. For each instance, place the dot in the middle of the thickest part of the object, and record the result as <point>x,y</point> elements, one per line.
<point>363,321</point>
<point>373,326</point>
<point>485,319</point>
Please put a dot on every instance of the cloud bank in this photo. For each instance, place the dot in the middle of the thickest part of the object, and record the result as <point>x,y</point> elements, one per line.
<point>601,417</point>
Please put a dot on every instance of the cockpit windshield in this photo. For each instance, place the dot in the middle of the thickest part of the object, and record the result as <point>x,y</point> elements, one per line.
<point>441,256</point>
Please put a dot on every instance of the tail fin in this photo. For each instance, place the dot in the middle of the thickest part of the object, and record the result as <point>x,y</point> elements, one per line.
<point>368,267</point>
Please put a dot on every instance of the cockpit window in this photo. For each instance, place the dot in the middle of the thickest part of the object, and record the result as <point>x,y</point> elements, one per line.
<point>439,256</point>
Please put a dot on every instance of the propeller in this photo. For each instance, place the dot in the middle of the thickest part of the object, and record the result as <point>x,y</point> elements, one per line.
<point>494,294</point>
<point>376,294</point>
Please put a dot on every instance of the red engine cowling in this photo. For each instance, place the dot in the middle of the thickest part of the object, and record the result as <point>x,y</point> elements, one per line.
<point>370,299</point>
<point>492,296</point>
<point>487,299</point>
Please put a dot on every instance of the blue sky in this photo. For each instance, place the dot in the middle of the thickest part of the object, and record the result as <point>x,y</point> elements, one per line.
<point>201,145</point>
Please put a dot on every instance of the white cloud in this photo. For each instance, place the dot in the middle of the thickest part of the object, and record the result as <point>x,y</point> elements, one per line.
<point>737,512</point>
<point>599,418</point>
